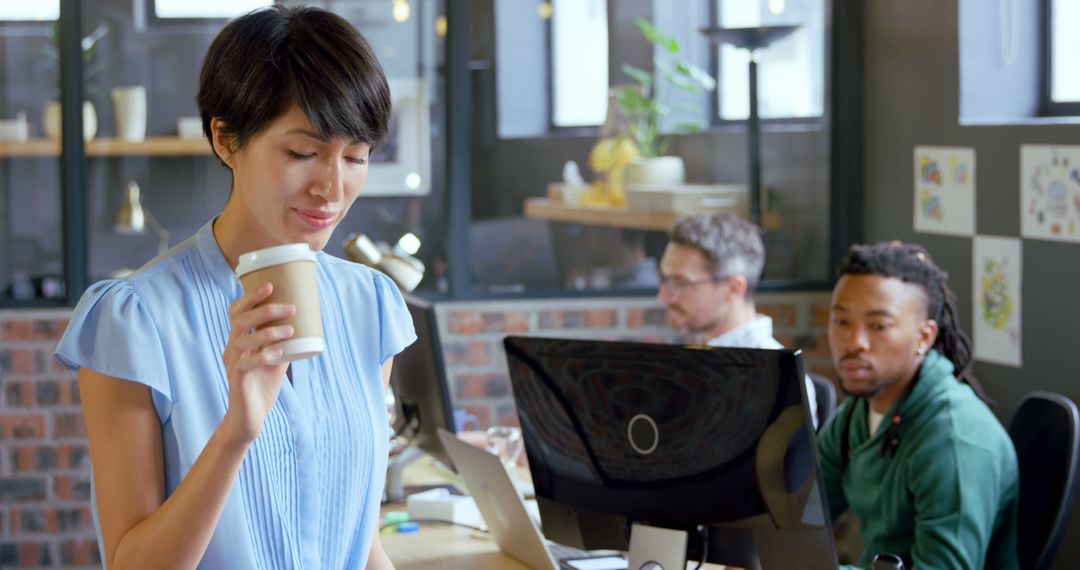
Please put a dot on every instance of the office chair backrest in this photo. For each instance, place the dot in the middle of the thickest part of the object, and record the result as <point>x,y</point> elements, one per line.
<point>1046,433</point>
<point>826,398</point>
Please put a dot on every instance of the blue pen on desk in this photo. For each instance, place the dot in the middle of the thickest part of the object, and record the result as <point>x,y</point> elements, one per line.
<point>410,526</point>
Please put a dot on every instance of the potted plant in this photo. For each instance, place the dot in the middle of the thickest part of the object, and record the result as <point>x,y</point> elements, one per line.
<point>645,103</point>
<point>91,68</point>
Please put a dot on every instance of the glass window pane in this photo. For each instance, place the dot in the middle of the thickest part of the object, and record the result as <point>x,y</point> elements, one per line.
<point>182,185</point>
<point>142,87</point>
<point>791,72</point>
<point>20,10</point>
<point>404,202</point>
<point>1065,83</point>
<point>206,8</point>
<point>31,236</point>
<point>579,39</point>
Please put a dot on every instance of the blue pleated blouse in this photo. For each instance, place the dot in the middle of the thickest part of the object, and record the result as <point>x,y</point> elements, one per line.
<point>308,492</point>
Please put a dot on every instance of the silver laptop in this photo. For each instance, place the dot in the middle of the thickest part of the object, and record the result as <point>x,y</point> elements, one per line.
<point>504,512</point>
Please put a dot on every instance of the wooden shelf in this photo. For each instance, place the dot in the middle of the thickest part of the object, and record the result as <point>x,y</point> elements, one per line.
<point>32,147</point>
<point>151,146</point>
<point>547,209</point>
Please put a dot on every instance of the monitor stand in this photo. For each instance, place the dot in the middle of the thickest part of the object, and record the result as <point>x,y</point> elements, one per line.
<point>395,468</point>
<point>655,548</point>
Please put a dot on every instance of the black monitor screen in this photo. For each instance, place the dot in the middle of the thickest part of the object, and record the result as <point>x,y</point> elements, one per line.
<point>672,436</point>
<point>419,382</point>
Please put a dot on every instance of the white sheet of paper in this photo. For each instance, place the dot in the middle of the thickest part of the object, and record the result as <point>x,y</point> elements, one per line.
<point>603,563</point>
<point>945,190</point>
<point>1050,192</point>
<point>997,272</point>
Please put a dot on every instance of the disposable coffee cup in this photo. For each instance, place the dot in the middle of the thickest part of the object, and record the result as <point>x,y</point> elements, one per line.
<point>291,269</point>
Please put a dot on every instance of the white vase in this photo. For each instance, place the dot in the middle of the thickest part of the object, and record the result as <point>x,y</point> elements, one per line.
<point>668,170</point>
<point>50,120</point>
<point>129,105</point>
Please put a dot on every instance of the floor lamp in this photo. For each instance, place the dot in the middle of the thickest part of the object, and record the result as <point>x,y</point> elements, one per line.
<point>752,39</point>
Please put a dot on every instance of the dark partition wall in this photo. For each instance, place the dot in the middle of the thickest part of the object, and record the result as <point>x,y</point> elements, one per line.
<point>912,80</point>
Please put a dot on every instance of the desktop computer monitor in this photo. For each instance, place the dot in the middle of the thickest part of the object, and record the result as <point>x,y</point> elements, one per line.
<point>676,437</point>
<point>421,392</point>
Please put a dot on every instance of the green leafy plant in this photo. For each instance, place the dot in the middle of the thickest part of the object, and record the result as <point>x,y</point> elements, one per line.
<point>644,102</point>
<point>92,65</point>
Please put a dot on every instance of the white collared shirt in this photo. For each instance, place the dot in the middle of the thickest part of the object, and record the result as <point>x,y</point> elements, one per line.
<point>758,333</point>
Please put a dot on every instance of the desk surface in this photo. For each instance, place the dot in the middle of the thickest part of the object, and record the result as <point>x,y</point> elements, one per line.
<point>446,547</point>
<point>442,547</point>
<point>437,547</point>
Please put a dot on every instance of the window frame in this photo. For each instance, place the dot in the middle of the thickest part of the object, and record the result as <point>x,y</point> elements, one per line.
<point>1049,107</point>
<point>843,79</point>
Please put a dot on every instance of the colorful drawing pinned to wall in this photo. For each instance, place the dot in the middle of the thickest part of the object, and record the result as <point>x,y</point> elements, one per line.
<point>997,300</point>
<point>945,190</point>
<point>996,296</point>
<point>929,172</point>
<point>931,205</point>
<point>959,170</point>
<point>1050,192</point>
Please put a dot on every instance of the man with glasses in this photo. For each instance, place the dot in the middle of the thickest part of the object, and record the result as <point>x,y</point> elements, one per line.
<point>708,275</point>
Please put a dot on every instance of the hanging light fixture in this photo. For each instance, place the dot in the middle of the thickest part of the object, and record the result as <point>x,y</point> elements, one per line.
<point>401,11</point>
<point>544,10</point>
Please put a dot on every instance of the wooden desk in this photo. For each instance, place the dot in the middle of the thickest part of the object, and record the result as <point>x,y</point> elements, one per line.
<point>442,547</point>
<point>456,548</point>
<point>447,547</point>
<point>437,547</point>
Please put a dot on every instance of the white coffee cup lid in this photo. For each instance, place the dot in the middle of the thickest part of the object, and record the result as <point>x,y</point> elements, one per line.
<point>300,348</point>
<point>263,258</point>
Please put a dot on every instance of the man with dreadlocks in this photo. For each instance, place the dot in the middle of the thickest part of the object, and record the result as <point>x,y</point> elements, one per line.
<point>915,451</point>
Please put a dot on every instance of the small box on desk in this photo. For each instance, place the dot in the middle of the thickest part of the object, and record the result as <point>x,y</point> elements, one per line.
<point>439,504</point>
<point>687,198</point>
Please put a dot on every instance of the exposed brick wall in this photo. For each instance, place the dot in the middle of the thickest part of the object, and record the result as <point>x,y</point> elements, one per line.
<point>45,518</point>
<point>472,332</point>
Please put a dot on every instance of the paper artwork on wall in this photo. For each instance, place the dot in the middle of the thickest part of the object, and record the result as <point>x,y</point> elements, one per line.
<point>1050,192</point>
<point>996,293</point>
<point>945,190</point>
<point>401,165</point>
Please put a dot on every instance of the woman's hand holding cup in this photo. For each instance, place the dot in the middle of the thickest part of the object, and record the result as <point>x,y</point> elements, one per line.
<point>253,366</point>
<point>278,320</point>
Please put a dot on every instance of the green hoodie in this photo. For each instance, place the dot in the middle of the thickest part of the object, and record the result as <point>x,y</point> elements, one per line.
<point>948,497</point>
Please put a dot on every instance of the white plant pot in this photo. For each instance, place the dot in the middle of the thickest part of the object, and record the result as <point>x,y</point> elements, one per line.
<point>50,120</point>
<point>655,170</point>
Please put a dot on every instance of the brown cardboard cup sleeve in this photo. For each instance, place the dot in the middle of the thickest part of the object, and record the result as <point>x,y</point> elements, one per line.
<point>291,269</point>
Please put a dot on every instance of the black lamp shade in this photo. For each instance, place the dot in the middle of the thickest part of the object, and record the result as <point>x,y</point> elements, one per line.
<point>748,38</point>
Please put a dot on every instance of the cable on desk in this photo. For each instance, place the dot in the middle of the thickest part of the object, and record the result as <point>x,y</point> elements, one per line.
<point>434,521</point>
<point>703,532</point>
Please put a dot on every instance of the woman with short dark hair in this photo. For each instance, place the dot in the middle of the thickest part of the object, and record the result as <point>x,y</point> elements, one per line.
<point>207,452</point>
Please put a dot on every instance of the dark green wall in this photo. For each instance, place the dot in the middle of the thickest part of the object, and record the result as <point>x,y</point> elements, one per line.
<point>911,89</point>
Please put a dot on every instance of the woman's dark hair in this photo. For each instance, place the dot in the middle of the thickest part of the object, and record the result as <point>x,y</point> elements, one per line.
<point>911,263</point>
<point>270,58</point>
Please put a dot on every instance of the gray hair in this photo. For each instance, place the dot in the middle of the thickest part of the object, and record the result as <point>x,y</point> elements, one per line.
<point>732,244</point>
